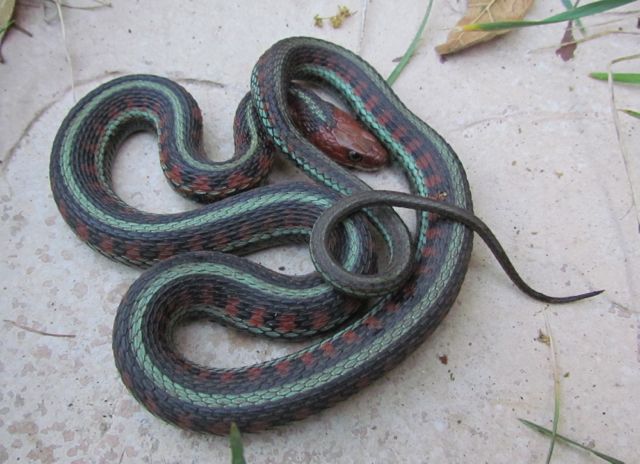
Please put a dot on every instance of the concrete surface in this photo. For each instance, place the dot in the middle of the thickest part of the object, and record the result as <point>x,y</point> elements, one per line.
<point>538,142</point>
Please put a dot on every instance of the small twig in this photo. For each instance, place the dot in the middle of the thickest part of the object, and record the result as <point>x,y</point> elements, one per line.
<point>193,81</point>
<point>40,332</point>
<point>18,27</point>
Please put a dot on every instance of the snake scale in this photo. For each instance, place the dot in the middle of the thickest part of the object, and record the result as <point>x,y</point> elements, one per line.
<point>195,268</point>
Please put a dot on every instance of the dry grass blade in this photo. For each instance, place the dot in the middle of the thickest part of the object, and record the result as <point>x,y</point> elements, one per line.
<point>66,48</point>
<point>59,5</point>
<point>95,4</point>
<point>617,18</point>
<point>635,200</point>
<point>363,22</point>
<point>553,433</point>
<point>588,38</point>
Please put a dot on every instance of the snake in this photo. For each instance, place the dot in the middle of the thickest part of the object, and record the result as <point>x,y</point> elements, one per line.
<point>364,313</point>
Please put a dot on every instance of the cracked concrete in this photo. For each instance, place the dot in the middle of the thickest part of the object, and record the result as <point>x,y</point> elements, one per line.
<point>538,142</point>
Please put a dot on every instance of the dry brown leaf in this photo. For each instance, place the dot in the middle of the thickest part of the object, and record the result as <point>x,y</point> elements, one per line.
<point>568,44</point>
<point>482,11</point>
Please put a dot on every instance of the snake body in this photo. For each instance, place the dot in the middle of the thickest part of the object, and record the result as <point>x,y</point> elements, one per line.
<point>199,274</point>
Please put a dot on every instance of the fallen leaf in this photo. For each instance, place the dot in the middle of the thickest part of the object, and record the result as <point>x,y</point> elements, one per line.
<point>568,44</point>
<point>484,11</point>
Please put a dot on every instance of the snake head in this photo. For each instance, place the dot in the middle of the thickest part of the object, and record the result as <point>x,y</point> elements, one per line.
<point>337,133</point>
<point>353,145</point>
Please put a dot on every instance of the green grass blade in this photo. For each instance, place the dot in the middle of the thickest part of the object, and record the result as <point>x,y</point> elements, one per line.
<point>635,114</point>
<point>5,26</point>
<point>235,442</point>
<point>412,47</point>
<point>569,6</point>
<point>556,419</point>
<point>627,78</point>
<point>546,432</point>
<point>568,15</point>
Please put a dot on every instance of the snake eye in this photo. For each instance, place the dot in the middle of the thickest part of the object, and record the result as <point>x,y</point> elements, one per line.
<point>354,156</point>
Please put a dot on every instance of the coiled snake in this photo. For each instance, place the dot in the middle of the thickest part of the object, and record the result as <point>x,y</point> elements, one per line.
<point>195,270</point>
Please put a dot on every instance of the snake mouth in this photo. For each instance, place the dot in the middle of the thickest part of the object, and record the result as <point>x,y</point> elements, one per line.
<point>365,169</point>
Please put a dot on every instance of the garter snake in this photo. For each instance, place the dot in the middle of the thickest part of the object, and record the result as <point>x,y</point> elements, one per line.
<point>194,268</point>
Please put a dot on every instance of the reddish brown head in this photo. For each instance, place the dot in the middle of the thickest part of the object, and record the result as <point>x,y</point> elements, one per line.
<point>343,138</point>
<point>351,144</point>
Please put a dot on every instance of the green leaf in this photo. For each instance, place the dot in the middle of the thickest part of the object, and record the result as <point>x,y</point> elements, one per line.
<point>568,15</point>
<point>412,48</point>
<point>635,114</point>
<point>4,27</point>
<point>235,442</point>
<point>627,78</point>
<point>548,433</point>
<point>6,15</point>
